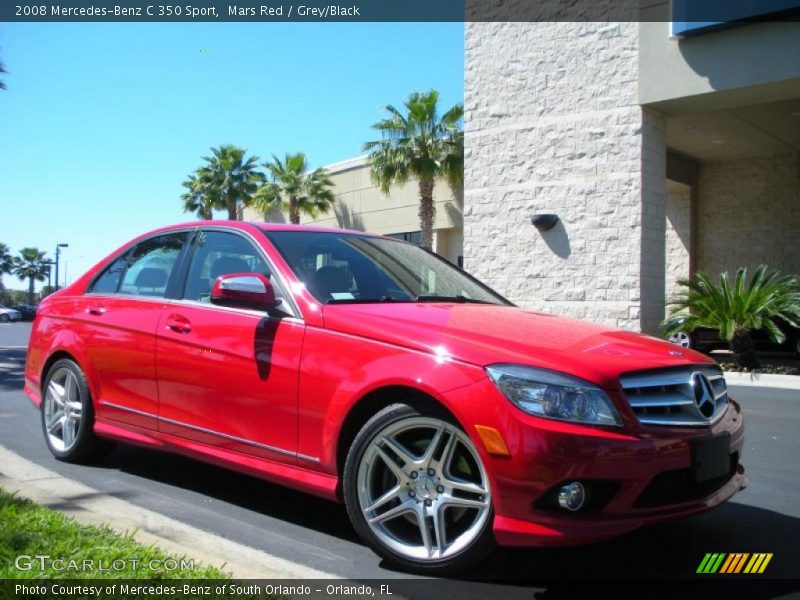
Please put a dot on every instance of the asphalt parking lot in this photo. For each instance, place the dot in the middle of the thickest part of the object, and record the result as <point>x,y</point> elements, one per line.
<point>307,530</point>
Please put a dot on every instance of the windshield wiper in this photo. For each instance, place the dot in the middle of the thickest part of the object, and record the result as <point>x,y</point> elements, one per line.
<point>457,298</point>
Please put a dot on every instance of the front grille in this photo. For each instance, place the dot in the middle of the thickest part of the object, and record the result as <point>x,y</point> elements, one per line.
<point>675,487</point>
<point>686,396</point>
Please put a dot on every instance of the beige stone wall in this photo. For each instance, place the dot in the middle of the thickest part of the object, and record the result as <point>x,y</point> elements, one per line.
<point>749,214</point>
<point>678,234</point>
<point>553,125</point>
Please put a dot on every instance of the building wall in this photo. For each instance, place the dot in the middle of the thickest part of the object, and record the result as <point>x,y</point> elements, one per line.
<point>749,214</point>
<point>553,125</point>
<point>363,207</point>
<point>720,69</point>
<point>678,235</point>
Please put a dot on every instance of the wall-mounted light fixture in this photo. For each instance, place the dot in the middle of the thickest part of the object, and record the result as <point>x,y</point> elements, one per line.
<point>544,222</point>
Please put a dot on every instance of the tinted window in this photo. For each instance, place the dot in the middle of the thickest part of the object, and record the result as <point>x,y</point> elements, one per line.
<point>108,282</point>
<point>342,267</point>
<point>150,265</point>
<point>219,253</point>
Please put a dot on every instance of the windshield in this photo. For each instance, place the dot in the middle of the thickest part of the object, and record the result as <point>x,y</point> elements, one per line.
<point>349,268</point>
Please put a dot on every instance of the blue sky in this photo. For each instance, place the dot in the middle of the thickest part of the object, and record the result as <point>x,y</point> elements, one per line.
<point>101,123</point>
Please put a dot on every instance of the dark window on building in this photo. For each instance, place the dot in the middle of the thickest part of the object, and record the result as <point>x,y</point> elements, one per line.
<point>413,237</point>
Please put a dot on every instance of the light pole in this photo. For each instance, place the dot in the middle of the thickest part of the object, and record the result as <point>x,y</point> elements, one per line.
<point>49,264</point>
<point>58,253</point>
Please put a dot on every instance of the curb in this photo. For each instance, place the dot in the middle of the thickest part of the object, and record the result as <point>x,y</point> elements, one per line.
<point>765,380</point>
<point>91,507</point>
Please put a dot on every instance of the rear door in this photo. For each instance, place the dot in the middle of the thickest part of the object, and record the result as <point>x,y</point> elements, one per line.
<point>228,376</point>
<point>120,317</point>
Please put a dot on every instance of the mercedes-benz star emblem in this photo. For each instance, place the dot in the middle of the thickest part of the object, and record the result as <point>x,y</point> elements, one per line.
<point>703,394</point>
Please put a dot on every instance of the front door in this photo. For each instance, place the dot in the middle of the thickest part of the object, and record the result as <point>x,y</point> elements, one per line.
<point>228,377</point>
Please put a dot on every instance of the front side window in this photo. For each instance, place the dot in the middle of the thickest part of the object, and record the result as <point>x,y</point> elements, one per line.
<point>150,264</point>
<point>220,253</point>
<point>350,268</point>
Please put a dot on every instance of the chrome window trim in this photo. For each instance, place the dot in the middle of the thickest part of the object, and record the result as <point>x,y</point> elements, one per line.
<point>160,299</point>
<point>226,436</point>
<point>236,309</point>
<point>292,303</point>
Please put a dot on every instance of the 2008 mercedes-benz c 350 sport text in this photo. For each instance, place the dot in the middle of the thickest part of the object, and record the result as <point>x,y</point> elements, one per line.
<point>364,369</point>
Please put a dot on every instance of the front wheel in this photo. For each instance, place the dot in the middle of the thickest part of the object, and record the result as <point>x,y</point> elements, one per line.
<point>4,318</point>
<point>417,492</point>
<point>68,415</point>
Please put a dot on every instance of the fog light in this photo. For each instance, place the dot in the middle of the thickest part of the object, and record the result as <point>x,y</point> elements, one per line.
<point>571,496</point>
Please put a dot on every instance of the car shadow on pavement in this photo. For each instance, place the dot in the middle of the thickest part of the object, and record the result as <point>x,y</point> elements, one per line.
<point>670,550</point>
<point>12,369</point>
<point>666,551</point>
<point>247,492</point>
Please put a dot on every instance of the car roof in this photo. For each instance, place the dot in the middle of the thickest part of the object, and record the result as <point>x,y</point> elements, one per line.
<point>245,225</point>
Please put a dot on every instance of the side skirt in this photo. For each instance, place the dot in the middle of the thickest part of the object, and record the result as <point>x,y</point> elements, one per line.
<point>304,480</point>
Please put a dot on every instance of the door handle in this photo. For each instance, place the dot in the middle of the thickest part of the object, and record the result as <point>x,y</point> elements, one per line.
<point>96,310</point>
<point>179,324</point>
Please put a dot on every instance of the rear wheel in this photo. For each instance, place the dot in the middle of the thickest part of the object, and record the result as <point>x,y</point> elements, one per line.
<point>417,491</point>
<point>68,415</point>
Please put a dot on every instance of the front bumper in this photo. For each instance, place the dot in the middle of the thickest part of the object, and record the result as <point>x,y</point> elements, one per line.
<point>644,472</point>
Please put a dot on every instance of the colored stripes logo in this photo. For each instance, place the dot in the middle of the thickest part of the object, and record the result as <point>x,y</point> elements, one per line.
<point>737,562</point>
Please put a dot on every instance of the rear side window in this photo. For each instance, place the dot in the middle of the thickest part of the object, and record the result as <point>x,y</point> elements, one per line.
<point>144,270</point>
<point>108,282</point>
<point>150,265</point>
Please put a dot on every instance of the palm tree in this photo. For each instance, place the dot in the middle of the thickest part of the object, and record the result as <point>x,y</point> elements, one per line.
<point>417,143</point>
<point>6,263</point>
<point>2,70</point>
<point>30,265</point>
<point>296,190</point>
<point>228,181</point>
<point>198,199</point>
<point>737,310</point>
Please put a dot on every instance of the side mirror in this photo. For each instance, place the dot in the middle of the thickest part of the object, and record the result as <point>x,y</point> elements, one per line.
<point>245,290</point>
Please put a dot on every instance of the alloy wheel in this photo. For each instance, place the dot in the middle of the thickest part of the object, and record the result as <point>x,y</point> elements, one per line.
<point>682,339</point>
<point>422,489</point>
<point>63,408</point>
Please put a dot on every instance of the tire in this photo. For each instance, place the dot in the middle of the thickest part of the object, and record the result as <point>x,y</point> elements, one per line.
<point>683,339</point>
<point>4,318</point>
<point>443,485</point>
<point>68,415</point>
<point>797,347</point>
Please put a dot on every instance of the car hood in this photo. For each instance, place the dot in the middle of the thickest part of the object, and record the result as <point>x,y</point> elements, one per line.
<point>483,334</point>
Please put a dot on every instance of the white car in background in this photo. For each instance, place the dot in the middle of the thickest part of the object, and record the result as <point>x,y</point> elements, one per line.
<point>9,314</point>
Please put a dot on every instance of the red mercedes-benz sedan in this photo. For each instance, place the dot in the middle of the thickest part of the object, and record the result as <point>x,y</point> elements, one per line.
<point>364,369</point>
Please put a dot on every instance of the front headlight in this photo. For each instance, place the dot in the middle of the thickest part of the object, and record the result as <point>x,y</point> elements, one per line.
<point>554,395</point>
